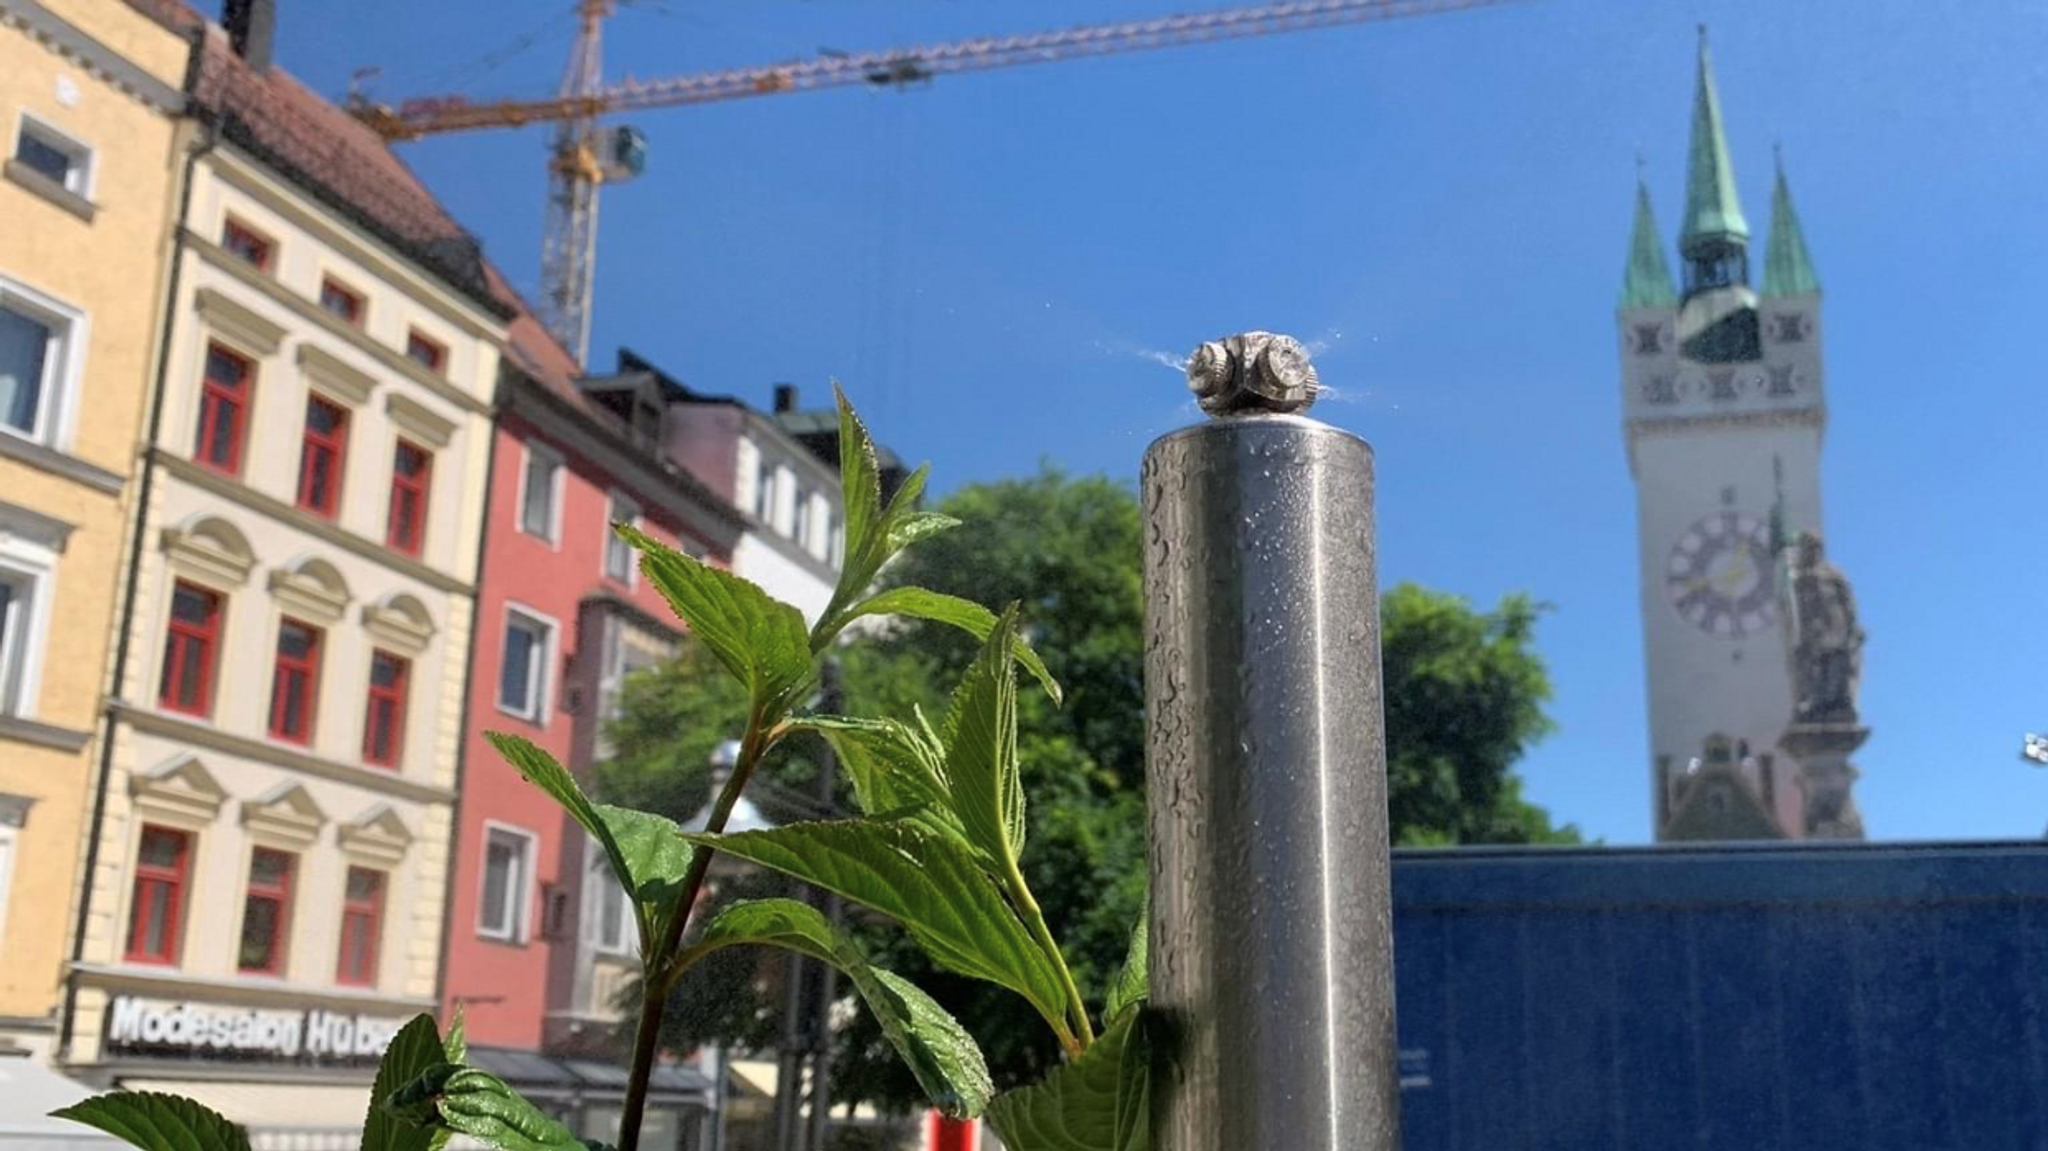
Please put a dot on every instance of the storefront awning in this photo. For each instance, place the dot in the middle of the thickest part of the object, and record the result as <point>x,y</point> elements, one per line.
<point>29,1091</point>
<point>544,1075</point>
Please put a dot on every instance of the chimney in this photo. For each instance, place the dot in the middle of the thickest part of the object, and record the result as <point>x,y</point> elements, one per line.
<point>251,26</point>
<point>785,398</point>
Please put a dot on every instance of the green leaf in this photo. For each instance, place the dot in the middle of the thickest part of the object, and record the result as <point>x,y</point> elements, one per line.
<point>968,616</point>
<point>649,853</point>
<point>981,751</point>
<point>1130,988</point>
<point>478,1104</point>
<point>896,769</point>
<point>860,481</point>
<point>456,1042</point>
<point>933,885</point>
<point>760,640</point>
<point>157,1122</point>
<point>415,1048</point>
<point>940,1053</point>
<point>917,526</point>
<point>1096,1103</point>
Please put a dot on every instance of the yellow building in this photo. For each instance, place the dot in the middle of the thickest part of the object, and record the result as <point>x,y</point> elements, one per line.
<point>266,896</point>
<point>90,93</point>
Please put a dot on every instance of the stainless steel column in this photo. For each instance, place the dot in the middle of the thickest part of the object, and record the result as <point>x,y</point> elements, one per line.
<point>1271,941</point>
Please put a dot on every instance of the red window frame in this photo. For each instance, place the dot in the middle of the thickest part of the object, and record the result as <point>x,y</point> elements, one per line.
<point>148,878</point>
<point>341,302</point>
<point>386,710</point>
<point>330,447</point>
<point>280,893</point>
<point>305,671</point>
<point>181,637</point>
<point>362,922</point>
<point>403,532</point>
<point>224,389</point>
<point>246,243</point>
<point>426,351</point>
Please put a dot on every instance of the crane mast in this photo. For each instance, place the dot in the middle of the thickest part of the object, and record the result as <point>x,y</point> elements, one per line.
<point>585,157</point>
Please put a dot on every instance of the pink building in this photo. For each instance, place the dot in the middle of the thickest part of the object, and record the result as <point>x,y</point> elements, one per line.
<point>540,940</point>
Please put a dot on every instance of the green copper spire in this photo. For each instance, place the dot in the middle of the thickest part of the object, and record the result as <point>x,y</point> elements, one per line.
<point>1712,210</point>
<point>1788,270</point>
<point>1647,282</point>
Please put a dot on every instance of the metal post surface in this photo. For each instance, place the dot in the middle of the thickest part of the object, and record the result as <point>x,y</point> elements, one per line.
<point>1271,934</point>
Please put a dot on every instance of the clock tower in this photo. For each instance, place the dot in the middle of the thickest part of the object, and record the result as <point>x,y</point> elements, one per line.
<point>1723,413</point>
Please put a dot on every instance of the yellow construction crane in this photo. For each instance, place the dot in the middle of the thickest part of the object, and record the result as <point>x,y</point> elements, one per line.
<point>586,156</point>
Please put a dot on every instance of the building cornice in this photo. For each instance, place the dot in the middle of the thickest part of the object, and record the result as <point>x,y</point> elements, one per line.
<point>45,458</point>
<point>18,730</point>
<point>235,491</point>
<point>205,735</point>
<point>103,62</point>
<point>217,257</point>
<point>173,983</point>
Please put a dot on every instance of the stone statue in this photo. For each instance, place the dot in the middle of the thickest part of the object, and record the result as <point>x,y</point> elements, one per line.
<point>1826,643</point>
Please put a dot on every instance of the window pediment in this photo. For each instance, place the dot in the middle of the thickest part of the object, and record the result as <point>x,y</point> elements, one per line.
<point>210,548</point>
<point>311,589</point>
<point>419,421</point>
<point>238,323</point>
<point>179,792</point>
<point>285,816</point>
<point>336,376</point>
<point>399,622</point>
<point>377,838</point>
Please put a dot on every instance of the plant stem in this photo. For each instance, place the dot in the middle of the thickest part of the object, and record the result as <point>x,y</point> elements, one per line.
<point>1034,920</point>
<point>656,978</point>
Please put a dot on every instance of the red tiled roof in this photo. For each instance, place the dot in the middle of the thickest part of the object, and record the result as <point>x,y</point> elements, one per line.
<point>314,143</point>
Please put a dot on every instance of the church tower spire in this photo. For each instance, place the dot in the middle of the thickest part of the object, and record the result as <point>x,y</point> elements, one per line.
<point>1788,270</point>
<point>1714,238</point>
<point>1647,281</point>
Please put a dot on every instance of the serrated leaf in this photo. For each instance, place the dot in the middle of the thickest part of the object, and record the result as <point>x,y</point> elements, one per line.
<point>860,480</point>
<point>456,1042</point>
<point>478,1104</point>
<point>648,853</point>
<point>416,1047</point>
<point>896,769</point>
<point>916,526</point>
<point>759,639</point>
<point>1130,986</point>
<point>939,1052</point>
<point>968,616</point>
<point>157,1122</point>
<point>930,884</point>
<point>1096,1103</point>
<point>981,751</point>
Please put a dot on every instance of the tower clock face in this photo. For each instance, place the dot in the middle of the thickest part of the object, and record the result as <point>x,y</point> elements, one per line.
<point>1719,575</point>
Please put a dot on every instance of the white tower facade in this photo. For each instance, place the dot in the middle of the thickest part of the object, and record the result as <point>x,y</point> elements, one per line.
<point>1723,413</point>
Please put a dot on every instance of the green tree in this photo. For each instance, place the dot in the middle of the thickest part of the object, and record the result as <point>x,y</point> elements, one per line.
<point>1464,697</point>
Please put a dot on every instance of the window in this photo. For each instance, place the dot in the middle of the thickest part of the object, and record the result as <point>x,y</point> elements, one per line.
<point>540,485</point>
<point>55,157</point>
<point>223,410</point>
<point>384,725</point>
<point>412,466</point>
<point>321,454</point>
<point>162,863</point>
<point>18,590</point>
<point>608,918</point>
<point>800,527</point>
<point>618,554</point>
<point>246,243</point>
<point>764,496</point>
<point>341,302</point>
<point>362,926</point>
<point>266,913</point>
<point>427,353</point>
<point>523,673</point>
<point>37,341</point>
<point>191,640</point>
<point>508,873</point>
<point>295,681</point>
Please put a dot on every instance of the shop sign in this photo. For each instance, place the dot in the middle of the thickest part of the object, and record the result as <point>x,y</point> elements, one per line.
<point>213,1031</point>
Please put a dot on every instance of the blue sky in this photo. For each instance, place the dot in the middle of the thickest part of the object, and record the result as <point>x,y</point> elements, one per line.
<point>999,266</point>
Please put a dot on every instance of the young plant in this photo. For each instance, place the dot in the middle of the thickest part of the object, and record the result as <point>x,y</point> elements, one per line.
<point>937,847</point>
